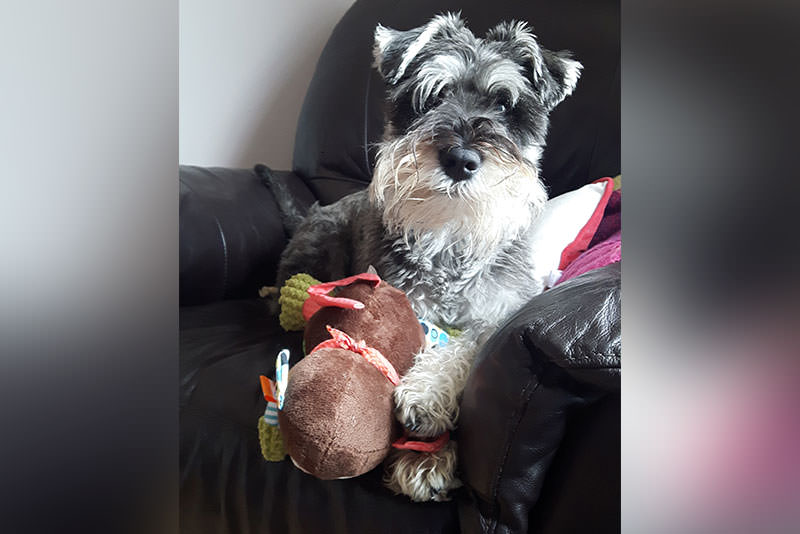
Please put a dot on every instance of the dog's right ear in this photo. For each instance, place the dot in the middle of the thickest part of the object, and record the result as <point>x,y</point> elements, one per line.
<point>394,50</point>
<point>390,48</point>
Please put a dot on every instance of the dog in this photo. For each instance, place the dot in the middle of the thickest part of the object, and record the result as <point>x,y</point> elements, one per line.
<point>446,218</point>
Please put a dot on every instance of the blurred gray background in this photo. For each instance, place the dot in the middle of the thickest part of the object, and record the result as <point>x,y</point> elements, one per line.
<point>244,68</point>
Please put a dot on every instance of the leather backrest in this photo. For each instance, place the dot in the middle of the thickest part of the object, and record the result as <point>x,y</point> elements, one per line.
<point>342,115</point>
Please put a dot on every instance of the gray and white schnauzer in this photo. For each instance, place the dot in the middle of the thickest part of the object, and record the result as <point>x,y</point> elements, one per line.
<point>447,216</point>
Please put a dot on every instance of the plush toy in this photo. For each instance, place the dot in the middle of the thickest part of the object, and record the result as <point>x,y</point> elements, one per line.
<point>269,435</point>
<point>293,295</point>
<point>337,417</point>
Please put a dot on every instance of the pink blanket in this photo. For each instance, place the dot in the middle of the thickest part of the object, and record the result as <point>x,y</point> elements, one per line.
<point>606,246</point>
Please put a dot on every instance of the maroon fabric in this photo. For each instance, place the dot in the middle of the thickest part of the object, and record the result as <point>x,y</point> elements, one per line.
<point>612,220</point>
<point>606,245</point>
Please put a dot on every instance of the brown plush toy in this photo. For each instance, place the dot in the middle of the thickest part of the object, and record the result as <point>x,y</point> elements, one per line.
<point>337,418</point>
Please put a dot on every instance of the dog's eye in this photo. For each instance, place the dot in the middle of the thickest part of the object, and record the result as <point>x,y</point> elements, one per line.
<point>430,103</point>
<point>503,104</point>
<point>433,101</point>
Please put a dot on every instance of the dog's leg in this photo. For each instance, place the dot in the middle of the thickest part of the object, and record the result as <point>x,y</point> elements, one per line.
<point>423,476</point>
<point>426,400</point>
<point>427,404</point>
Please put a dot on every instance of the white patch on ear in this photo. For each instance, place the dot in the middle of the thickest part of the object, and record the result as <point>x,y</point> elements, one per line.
<point>383,36</point>
<point>572,71</point>
<point>565,72</point>
<point>431,29</point>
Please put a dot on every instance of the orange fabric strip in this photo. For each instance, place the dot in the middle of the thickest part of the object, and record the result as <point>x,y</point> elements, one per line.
<point>266,388</point>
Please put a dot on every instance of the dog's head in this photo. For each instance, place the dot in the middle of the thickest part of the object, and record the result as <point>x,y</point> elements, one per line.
<point>466,123</point>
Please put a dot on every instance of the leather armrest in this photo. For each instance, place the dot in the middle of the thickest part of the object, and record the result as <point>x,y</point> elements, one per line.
<point>559,354</point>
<point>231,232</point>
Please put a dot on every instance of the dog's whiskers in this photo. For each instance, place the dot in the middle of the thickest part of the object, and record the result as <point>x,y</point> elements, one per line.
<point>446,218</point>
<point>506,177</point>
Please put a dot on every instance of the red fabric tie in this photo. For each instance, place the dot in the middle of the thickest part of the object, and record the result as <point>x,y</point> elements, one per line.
<point>422,446</point>
<point>340,340</point>
<point>318,295</point>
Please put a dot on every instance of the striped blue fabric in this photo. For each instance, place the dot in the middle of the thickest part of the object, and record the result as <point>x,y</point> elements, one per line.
<point>271,414</point>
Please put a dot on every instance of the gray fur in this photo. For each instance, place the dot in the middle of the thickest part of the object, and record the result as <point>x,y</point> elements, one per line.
<point>458,248</point>
<point>292,212</point>
<point>446,288</point>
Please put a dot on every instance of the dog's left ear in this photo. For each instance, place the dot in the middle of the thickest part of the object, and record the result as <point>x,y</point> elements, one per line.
<point>560,76</point>
<point>553,75</point>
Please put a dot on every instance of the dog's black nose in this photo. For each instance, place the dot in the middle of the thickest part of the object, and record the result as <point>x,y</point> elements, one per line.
<point>459,163</point>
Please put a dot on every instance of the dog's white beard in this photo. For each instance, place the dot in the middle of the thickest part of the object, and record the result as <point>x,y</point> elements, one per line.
<point>471,218</point>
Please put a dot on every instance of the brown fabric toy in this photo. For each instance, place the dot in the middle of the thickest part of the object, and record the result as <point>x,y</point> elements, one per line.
<point>337,419</point>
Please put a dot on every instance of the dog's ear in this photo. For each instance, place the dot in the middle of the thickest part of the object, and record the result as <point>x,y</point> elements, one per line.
<point>560,76</point>
<point>390,45</point>
<point>394,50</point>
<point>553,75</point>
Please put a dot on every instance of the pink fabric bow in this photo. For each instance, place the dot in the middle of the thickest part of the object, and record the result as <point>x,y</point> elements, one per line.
<point>340,340</point>
<point>318,295</point>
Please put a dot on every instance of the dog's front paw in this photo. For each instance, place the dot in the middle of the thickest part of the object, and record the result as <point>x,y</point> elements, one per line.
<point>423,476</point>
<point>424,411</point>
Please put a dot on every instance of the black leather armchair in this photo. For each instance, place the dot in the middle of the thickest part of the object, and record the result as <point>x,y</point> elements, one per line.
<point>539,426</point>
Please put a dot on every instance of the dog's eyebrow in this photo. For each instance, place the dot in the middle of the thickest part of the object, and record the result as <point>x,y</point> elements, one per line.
<point>435,74</point>
<point>432,28</point>
<point>504,75</point>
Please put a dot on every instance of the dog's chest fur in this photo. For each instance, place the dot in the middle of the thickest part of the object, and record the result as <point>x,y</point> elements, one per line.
<point>443,284</point>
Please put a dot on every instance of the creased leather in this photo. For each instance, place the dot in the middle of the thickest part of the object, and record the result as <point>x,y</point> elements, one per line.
<point>226,485</point>
<point>558,356</point>
<point>231,233</point>
<point>539,427</point>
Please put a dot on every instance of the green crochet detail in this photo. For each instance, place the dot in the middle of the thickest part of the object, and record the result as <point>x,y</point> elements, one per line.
<point>452,332</point>
<point>293,295</point>
<point>271,441</point>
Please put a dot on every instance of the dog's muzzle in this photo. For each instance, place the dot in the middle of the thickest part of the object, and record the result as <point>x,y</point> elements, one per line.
<point>459,163</point>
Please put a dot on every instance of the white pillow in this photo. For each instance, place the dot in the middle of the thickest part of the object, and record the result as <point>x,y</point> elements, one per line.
<point>566,227</point>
